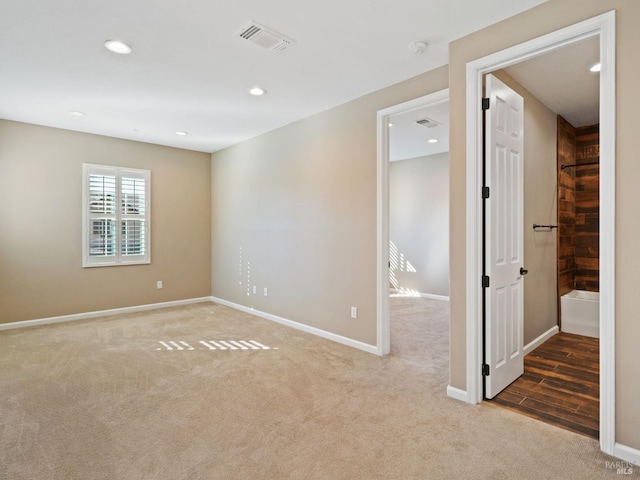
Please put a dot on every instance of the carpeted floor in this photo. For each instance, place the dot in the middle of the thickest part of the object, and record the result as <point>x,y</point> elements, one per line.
<point>104,399</point>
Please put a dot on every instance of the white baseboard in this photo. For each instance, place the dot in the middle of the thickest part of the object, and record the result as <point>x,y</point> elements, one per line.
<point>300,326</point>
<point>627,454</point>
<point>422,295</point>
<point>457,394</point>
<point>531,346</point>
<point>100,313</point>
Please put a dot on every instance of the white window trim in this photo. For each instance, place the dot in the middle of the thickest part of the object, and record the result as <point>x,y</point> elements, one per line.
<point>117,259</point>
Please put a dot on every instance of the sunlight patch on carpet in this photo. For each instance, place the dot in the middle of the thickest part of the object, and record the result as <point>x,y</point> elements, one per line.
<point>213,345</point>
<point>404,292</point>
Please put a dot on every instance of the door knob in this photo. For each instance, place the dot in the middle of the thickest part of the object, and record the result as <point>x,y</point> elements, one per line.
<point>523,271</point>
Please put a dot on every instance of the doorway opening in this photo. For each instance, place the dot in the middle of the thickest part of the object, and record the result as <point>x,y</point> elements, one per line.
<point>418,234</point>
<point>399,278</point>
<point>560,381</point>
<point>602,27</point>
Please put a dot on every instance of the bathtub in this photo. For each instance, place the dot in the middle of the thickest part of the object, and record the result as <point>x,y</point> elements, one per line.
<point>580,312</point>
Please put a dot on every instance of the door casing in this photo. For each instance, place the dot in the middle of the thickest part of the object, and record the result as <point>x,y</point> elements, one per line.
<point>383,340</point>
<point>604,27</point>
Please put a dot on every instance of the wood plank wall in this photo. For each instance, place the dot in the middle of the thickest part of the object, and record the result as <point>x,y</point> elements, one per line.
<point>578,208</point>
<point>587,250</point>
<point>566,142</point>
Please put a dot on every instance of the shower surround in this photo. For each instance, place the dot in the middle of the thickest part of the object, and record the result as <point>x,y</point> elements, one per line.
<point>578,209</point>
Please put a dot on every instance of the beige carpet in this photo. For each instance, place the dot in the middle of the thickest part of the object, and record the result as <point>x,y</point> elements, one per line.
<point>104,399</point>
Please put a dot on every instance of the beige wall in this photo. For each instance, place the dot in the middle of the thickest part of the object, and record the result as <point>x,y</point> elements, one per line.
<point>419,224</point>
<point>41,272</point>
<point>548,17</point>
<point>299,205</point>
<point>540,206</point>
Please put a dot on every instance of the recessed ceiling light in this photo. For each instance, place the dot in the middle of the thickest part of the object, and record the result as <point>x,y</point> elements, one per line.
<point>116,46</point>
<point>257,91</point>
<point>182,134</point>
<point>391,124</point>
<point>596,68</point>
<point>76,113</point>
<point>433,140</point>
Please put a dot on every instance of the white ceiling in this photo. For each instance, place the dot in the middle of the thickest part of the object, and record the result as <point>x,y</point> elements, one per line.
<point>189,72</point>
<point>560,79</point>
<point>408,139</point>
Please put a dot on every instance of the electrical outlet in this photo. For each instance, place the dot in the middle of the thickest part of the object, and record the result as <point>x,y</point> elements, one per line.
<point>265,291</point>
<point>159,284</point>
<point>354,312</point>
<point>255,290</point>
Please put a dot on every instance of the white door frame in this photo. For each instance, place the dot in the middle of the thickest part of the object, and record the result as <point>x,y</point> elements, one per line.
<point>383,341</point>
<point>604,26</point>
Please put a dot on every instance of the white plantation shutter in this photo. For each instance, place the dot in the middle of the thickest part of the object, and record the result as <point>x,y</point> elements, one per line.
<point>115,216</point>
<point>133,214</point>
<point>102,214</point>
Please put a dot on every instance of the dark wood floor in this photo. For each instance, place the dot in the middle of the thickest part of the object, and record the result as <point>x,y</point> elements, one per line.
<point>560,384</point>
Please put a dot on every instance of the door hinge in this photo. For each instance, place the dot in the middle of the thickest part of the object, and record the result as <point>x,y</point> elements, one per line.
<point>485,104</point>
<point>485,281</point>
<point>486,370</point>
<point>486,192</point>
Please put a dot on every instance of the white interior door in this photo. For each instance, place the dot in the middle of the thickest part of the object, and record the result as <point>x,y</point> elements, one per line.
<point>504,296</point>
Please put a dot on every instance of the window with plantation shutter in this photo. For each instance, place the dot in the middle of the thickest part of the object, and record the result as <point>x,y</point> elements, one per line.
<point>115,216</point>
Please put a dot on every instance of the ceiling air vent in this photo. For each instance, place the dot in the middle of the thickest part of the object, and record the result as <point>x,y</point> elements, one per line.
<point>427,122</point>
<point>265,37</point>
